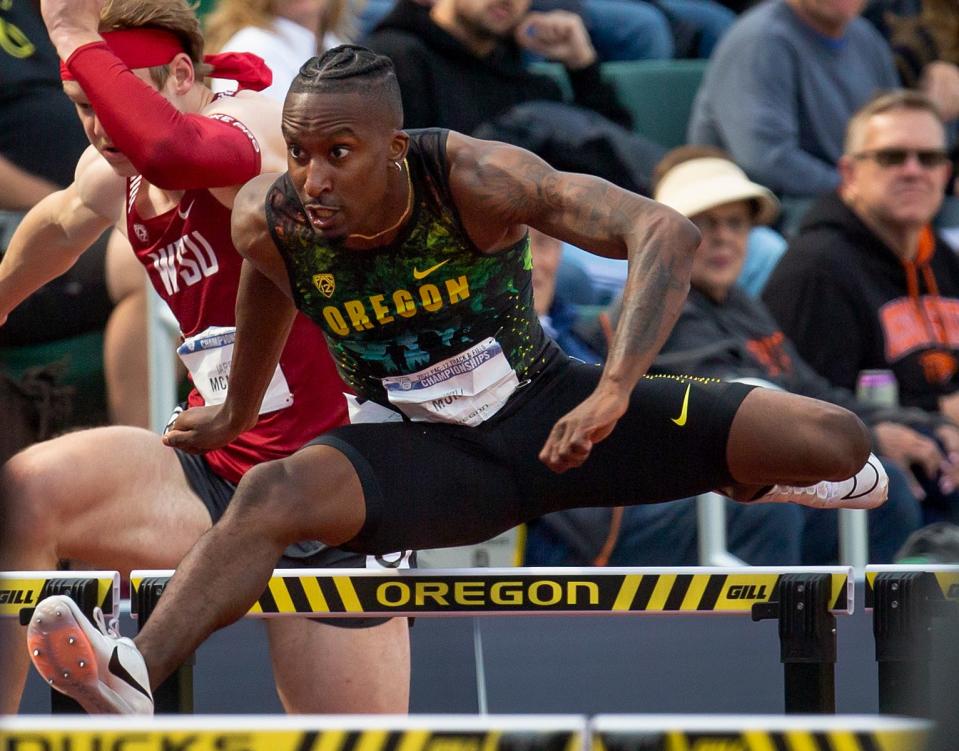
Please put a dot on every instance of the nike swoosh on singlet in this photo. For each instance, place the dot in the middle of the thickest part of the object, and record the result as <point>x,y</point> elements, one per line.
<point>121,672</point>
<point>681,420</point>
<point>423,274</point>
<point>185,214</point>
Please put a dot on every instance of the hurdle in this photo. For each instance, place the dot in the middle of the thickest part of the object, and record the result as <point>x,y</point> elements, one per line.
<point>804,600</point>
<point>20,591</point>
<point>466,733</point>
<point>298,733</point>
<point>756,733</point>
<point>911,607</point>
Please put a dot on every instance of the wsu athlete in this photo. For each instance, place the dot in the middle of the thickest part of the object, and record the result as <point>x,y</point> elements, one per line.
<point>166,161</point>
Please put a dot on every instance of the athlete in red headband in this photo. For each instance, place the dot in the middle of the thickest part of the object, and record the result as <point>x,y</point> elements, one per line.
<point>166,160</point>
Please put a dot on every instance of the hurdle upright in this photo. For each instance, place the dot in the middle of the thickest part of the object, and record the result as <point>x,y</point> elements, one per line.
<point>912,607</point>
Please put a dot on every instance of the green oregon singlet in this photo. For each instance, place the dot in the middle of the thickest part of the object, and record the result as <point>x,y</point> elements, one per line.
<point>429,295</point>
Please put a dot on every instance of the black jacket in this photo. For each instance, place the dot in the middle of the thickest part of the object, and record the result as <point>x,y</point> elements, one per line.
<point>849,304</point>
<point>738,338</point>
<point>445,85</point>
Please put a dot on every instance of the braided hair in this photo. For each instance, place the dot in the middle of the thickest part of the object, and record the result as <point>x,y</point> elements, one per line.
<point>350,68</point>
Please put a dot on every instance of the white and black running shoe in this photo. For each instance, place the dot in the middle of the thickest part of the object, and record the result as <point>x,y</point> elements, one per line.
<point>103,671</point>
<point>868,488</point>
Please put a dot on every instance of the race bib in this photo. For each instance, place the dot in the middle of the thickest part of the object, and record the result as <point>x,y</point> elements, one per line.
<point>465,389</point>
<point>209,355</point>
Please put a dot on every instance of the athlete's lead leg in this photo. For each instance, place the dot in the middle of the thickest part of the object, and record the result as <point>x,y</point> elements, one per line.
<point>275,505</point>
<point>811,452</point>
<point>112,497</point>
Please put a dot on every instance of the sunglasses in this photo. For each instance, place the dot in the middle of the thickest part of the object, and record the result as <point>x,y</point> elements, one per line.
<point>928,158</point>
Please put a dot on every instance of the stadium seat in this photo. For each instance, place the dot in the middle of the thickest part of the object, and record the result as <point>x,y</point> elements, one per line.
<point>658,93</point>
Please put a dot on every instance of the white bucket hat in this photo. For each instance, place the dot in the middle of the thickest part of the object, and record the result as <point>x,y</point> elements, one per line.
<point>698,185</point>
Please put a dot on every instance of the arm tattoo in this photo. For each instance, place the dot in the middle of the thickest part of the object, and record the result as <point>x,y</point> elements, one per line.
<point>656,284</point>
<point>585,210</point>
<point>515,186</point>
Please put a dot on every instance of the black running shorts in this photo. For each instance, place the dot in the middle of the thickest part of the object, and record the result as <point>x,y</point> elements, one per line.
<point>215,493</point>
<point>436,485</point>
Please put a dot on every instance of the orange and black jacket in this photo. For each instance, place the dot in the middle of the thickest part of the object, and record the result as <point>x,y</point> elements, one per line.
<point>849,303</point>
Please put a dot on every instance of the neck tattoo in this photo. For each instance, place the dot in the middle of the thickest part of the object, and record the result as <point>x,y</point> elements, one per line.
<point>403,216</point>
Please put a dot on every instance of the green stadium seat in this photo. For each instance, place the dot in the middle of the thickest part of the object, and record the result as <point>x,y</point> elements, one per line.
<point>658,93</point>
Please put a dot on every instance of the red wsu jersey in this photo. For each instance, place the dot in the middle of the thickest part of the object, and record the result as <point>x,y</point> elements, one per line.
<point>192,264</point>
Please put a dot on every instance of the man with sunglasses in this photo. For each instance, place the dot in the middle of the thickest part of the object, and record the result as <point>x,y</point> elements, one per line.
<point>866,283</point>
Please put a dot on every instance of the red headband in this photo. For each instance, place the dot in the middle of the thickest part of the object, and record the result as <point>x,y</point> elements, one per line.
<point>146,47</point>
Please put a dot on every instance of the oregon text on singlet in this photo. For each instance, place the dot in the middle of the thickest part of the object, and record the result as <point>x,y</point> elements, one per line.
<point>427,296</point>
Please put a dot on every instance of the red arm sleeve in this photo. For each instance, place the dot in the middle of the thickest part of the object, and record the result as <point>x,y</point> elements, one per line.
<point>172,150</point>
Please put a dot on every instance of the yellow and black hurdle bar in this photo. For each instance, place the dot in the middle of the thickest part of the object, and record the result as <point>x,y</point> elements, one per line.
<point>466,733</point>
<point>804,601</point>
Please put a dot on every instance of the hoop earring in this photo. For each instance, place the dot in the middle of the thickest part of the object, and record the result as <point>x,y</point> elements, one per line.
<point>397,165</point>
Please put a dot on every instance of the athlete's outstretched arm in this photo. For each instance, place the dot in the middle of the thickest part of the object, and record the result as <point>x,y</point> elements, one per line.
<point>173,150</point>
<point>264,315</point>
<point>507,187</point>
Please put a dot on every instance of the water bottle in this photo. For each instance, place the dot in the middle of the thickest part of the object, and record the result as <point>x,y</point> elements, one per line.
<point>878,388</point>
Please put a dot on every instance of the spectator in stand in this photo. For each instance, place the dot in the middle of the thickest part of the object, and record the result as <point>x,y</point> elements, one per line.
<point>285,33</point>
<point>558,314</point>
<point>460,66</point>
<point>880,12</point>
<point>867,283</point>
<point>724,333</point>
<point>763,251</point>
<point>460,62</point>
<point>926,49</point>
<point>624,29</point>
<point>782,83</point>
<point>664,534</point>
<point>31,101</point>
<point>40,143</point>
<point>927,43</point>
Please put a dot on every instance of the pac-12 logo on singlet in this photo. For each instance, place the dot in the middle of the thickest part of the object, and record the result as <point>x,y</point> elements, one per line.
<point>325,283</point>
<point>188,260</point>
